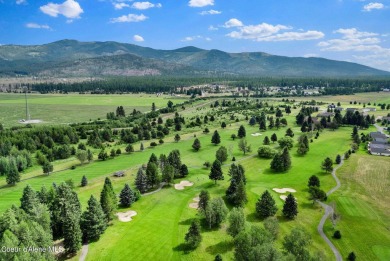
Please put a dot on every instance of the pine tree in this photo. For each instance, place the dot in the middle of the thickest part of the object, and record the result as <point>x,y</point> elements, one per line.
<point>266,141</point>
<point>72,231</point>
<point>314,181</point>
<point>129,148</point>
<point>241,132</point>
<point>183,170</point>
<point>175,160</point>
<point>126,197</point>
<point>289,132</point>
<point>265,206</point>
<point>108,199</point>
<point>290,207</point>
<point>216,171</point>
<point>89,155</point>
<point>93,222</point>
<point>152,175</point>
<point>29,199</point>
<point>327,165</point>
<point>196,145</point>
<point>168,173</point>
<point>216,139</point>
<point>177,138</point>
<point>13,175</point>
<point>84,181</point>
<point>338,159</point>
<point>153,159</point>
<point>221,154</point>
<point>141,147</point>
<point>193,236</point>
<point>274,138</point>
<point>141,182</point>
<point>286,159</point>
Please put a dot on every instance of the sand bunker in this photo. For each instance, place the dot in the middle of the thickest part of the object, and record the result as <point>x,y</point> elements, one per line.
<point>284,190</point>
<point>195,204</point>
<point>182,184</point>
<point>256,134</point>
<point>196,199</point>
<point>126,216</point>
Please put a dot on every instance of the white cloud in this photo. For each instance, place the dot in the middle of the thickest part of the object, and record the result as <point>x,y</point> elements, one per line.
<point>193,38</point>
<point>233,23</point>
<point>69,9</point>
<point>213,28</point>
<point>145,5</point>
<point>20,2</point>
<point>129,18</point>
<point>210,12</point>
<point>38,26</point>
<point>200,3</point>
<point>138,38</point>
<point>269,33</point>
<point>372,6</point>
<point>119,6</point>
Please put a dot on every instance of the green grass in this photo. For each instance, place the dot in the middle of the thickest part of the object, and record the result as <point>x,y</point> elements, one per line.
<point>70,108</point>
<point>362,202</point>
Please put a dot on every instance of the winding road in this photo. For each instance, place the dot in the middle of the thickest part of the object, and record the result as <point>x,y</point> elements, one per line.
<point>328,212</point>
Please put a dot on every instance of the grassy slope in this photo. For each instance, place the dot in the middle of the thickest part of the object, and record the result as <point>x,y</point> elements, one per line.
<point>363,205</point>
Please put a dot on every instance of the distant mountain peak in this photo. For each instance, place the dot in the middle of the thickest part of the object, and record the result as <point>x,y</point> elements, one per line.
<point>189,49</point>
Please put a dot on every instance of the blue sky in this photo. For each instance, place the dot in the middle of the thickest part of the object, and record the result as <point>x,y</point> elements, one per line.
<point>350,30</point>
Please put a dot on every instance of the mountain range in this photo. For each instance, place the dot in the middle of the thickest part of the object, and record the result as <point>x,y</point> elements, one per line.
<point>70,58</point>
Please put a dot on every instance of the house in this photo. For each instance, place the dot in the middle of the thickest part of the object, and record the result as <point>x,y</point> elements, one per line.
<point>379,137</point>
<point>119,174</point>
<point>325,114</point>
<point>386,90</point>
<point>380,152</point>
<point>387,119</point>
<point>352,109</point>
<point>331,106</point>
<point>369,109</point>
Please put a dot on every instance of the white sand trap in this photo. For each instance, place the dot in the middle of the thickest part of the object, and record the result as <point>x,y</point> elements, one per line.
<point>284,190</point>
<point>126,216</point>
<point>196,199</point>
<point>182,184</point>
<point>194,205</point>
<point>256,134</point>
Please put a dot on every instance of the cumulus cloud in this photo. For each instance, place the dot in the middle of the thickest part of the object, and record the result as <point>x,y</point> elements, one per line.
<point>119,6</point>
<point>210,12</point>
<point>20,2</point>
<point>138,38</point>
<point>372,6</point>
<point>130,18</point>
<point>144,5</point>
<point>200,3</point>
<point>213,28</point>
<point>69,9</point>
<point>38,26</point>
<point>233,23</point>
<point>269,33</point>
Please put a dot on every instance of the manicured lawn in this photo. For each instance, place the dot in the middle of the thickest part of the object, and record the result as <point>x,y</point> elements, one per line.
<point>363,203</point>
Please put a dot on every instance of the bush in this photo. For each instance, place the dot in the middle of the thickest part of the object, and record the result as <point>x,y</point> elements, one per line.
<point>153,144</point>
<point>351,256</point>
<point>266,152</point>
<point>337,234</point>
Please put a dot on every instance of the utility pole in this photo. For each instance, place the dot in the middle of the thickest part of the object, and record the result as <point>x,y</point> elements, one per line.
<point>25,95</point>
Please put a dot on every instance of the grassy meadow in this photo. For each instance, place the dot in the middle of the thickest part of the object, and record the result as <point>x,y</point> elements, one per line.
<point>71,108</point>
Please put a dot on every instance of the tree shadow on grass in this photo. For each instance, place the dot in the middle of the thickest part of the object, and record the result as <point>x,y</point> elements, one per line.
<point>186,222</point>
<point>221,247</point>
<point>253,218</point>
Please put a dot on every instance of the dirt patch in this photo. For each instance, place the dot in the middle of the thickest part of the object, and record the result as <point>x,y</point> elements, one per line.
<point>126,216</point>
<point>182,184</point>
<point>284,190</point>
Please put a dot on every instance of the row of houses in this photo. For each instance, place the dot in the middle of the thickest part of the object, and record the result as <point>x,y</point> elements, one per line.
<point>379,145</point>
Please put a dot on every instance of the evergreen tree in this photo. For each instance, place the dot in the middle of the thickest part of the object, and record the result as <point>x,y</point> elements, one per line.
<point>338,159</point>
<point>281,162</point>
<point>177,138</point>
<point>108,199</point>
<point>126,197</point>
<point>193,236</point>
<point>241,132</point>
<point>327,165</point>
<point>129,148</point>
<point>84,181</point>
<point>265,206</point>
<point>175,161</point>
<point>274,138</point>
<point>168,173</point>
<point>314,181</point>
<point>223,125</point>
<point>93,223</point>
<point>47,167</point>
<point>218,257</point>
<point>13,175</point>
<point>221,154</point>
<point>103,155</point>
<point>266,141</point>
<point>216,171</point>
<point>141,147</point>
<point>152,175</point>
<point>196,145</point>
<point>153,159</point>
<point>89,155</point>
<point>351,256</point>
<point>286,159</point>
<point>141,181</point>
<point>290,207</point>
<point>204,198</point>
<point>72,231</point>
<point>183,170</point>
<point>289,132</point>
<point>29,199</point>
<point>216,139</point>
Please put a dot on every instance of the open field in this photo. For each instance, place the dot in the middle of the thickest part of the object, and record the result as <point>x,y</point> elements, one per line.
<point>378,97</point>
<point>363,203</point>
<point>70,108</point>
